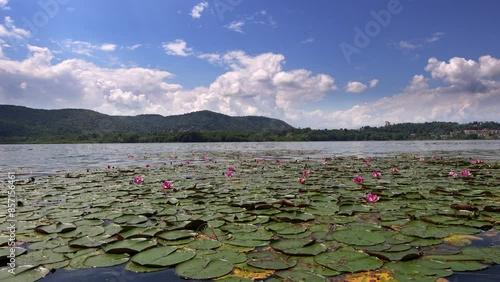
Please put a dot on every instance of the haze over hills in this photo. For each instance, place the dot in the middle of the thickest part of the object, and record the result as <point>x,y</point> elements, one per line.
<point>23,121</point>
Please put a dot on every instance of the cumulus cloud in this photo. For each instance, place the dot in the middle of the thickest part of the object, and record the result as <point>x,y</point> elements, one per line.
<point>253,85</point>
<point>355,87</point>
<point>85,48</point>
<point>198,9</point>
<point>373,83</point>
<point>108,47</point>
<point>469,91</point>
<point>236,26</point>
<point>3,5</point>
<point>9,30</point>
<point>177,48</point>
<point>211,57</point>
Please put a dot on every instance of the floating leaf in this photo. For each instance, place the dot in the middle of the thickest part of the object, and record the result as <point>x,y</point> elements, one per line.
<point>162,256</point>
<point>130,246</point>
<point>106,260</point>
<point>348,261</point>
<point>424,230</point>
<point>203,268</point>
<point>269,260</point>
<point>358,237</point>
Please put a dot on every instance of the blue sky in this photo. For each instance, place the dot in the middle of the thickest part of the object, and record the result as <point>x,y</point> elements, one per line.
<point>318,64</point>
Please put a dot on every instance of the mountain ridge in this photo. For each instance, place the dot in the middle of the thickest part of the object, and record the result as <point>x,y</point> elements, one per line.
<point>25,121</point>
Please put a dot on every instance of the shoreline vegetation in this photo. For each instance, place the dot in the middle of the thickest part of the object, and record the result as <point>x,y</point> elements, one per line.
<point>21,125</point>
<point>239,217</point>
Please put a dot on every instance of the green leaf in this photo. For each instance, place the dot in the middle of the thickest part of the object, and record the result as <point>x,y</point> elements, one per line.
<point>106,260</point>
<point>203,268</point>
<point>162,256</point>
<point>348,261</point>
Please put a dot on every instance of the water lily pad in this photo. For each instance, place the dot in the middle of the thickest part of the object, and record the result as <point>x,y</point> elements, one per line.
<point>106,260</point>
<point>358,237</point>
<point>24,273</point>
<point>176,235</point>
<point>299,247</point>
<point>348,261</point>
<point>203,268</point>
<point>424,230</point>
<point>130,246</point>
<point>488,254</point>
<point>162,256</point>
<point>270,260</point>
<point>56,228</point>
<point>86,242</point>
<point>205,244</point>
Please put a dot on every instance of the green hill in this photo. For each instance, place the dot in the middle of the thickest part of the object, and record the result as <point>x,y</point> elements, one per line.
<point>17,122</point>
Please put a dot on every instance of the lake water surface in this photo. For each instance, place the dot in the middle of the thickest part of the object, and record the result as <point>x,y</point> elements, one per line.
<point>46,158</point>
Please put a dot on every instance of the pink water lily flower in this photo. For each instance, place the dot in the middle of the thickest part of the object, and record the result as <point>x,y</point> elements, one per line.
<point>422,159</point>
<point>207,158</point>
<point>358,179</point>
<point>377,174</point>
<point>324,162</point>
<point>465,173</point>
<point>131,156</point>
<point>368,164</point>
<point>231,168</point>
<point>148,166</point>
<point>188,162</point>
<point>278,161</point>
<point>109,166</point>
<point>166,185</point>
<point>302,180</point>
<point>477,162</point>
<point>261,160</point>
<point>371,198</point>
<point>229,174</point>
<point>452,174</point>
<point>138,179</point>
<point>306,172</point>
<point>394,170</point>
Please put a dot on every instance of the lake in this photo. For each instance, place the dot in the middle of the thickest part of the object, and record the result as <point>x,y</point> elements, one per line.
<point>46,158</point>
<point>50,159</point>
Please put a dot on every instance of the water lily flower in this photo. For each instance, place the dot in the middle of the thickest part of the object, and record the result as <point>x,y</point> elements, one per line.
<point>278,161</point>
<point>302,180</point>
<point>231,168</point>
<point>422,159</point>
<point>188,162</point>
<point>358,179</point>
<point>465,173</point>
<point>368,164</point>
<point>371,198</point>
<point>477,162</point>
<point>394,170</point>
<point>207,158</point>
<point>306,172</point>
<point>453,174</point>
<point>131,156</point>
<point>109,166</point>
<point>324,162</point>
<point>261,160</point>
<point>138,179</point>
<point>148,166</point>
<point>229,174</point>
<point>377,174</point>
<point>166,185</point>
<point>370,158</point>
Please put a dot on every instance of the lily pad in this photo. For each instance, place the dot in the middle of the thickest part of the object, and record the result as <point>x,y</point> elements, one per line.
<point>358,237</point>
<point>106,260</point>
<point>162,256</point>
<point>203,268</point>
<point>348,261</point>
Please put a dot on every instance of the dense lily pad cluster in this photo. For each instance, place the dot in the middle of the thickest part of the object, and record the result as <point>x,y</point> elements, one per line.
<point>417,224</point>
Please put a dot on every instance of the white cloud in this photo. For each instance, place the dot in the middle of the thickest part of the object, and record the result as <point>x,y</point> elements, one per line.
<point>3,5</point>
<point>355,87</point>
<point>373,83</point>
<point>198,9</point>
<point>211,57</point>
<point>133,47</point>
<point>254,85</point>
<point>85,48</point>
<point>236,26</point>
<point>471,92</point>
<point>108,47</point>
<point>435,37</point>
<point>408,45</point>
<point>177,48</point>
<point>9,30</point>
<point>23,85</point>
